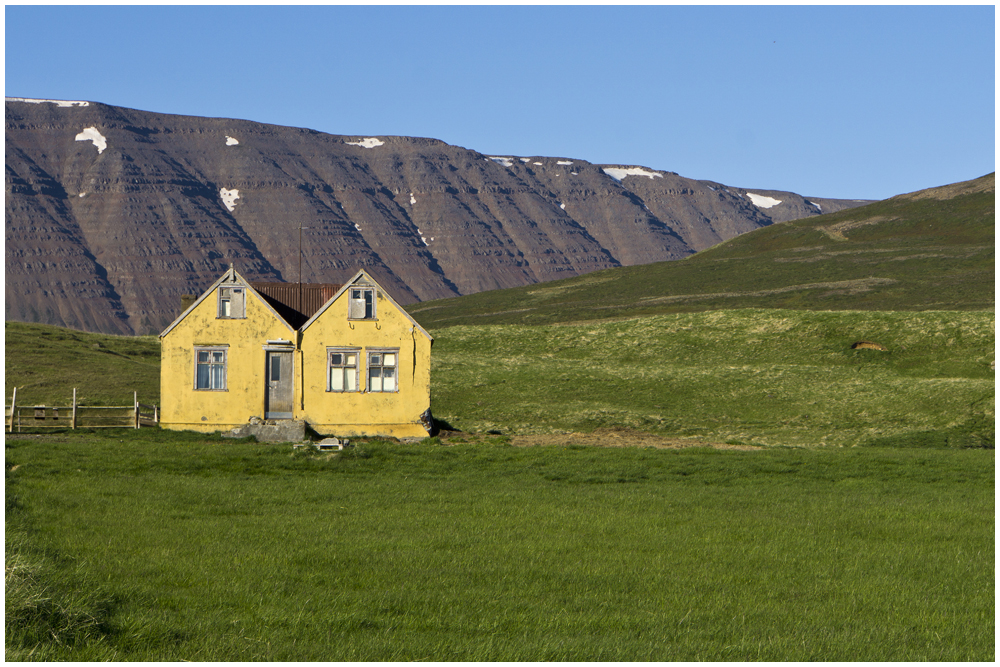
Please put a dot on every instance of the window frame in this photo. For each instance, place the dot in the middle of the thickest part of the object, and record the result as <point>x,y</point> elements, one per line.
<point>330,351</point>
<point>368,369</point>
<point>210,349</point>
<point>239,312</point>
<point>351,308</point>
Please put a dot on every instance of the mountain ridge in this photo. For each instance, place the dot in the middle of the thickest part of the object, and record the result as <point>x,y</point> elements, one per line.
<point>113,213</point>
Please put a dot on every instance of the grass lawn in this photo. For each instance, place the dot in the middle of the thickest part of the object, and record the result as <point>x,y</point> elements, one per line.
<point>149,545</point>
<point>766,377</point>
<point>46,362</point>
<point>146,545</point>
<point>755,376</point>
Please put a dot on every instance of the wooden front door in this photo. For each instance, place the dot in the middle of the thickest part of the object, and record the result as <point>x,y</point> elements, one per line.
<point>278,402</point>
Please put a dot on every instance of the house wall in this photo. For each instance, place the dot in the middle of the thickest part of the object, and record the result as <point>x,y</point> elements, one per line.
<point>184,407</point>
<point>395,414</point>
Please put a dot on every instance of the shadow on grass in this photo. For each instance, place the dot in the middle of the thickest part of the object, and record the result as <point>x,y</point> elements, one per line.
<point>971,435</point>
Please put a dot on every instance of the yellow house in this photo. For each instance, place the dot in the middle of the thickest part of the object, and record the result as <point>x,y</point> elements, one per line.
<point>353,364</point>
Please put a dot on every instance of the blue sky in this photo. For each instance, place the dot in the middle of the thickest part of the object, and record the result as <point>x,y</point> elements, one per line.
<point>850,102</point>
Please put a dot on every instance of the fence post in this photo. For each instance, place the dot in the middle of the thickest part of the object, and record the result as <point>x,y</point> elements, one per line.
<point>135,397</point>
<point>73,422</point>
<point>13,402</point>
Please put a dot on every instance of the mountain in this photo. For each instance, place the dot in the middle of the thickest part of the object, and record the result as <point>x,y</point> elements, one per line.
<point>112,213</point>
<point>929,250</point>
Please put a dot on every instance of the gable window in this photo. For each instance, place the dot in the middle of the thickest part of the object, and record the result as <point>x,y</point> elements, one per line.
<point>343,370</point>
<point>382,370</point>
<point>210,368</point>
<point>361,303</point>
<point>232,302</point>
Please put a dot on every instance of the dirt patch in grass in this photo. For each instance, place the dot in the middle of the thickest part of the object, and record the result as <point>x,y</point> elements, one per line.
<point>858,286</point>
<point>602,437</point>
<point>836,232</point>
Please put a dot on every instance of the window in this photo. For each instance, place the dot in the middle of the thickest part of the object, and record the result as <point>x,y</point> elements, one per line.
<point>382,370</point>
<point>361,305</point>
<point>232,304</point>
<point>343,373</point>
<point>210,368</point>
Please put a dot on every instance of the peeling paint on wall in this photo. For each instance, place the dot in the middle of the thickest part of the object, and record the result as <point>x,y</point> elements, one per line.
<point>388,341</point>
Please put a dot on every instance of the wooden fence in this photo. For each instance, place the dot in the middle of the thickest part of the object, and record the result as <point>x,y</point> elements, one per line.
<point>80,416</point>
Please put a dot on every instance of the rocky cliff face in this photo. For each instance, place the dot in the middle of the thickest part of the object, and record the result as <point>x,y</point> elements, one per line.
<point>113,213</point>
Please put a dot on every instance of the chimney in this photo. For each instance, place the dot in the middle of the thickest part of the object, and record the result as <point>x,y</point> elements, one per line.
<point>187,300</point>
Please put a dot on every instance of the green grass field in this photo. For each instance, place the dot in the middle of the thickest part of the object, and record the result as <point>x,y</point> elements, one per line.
<point>154,546</point>
<point>766,377</point>
<point>45,363</point>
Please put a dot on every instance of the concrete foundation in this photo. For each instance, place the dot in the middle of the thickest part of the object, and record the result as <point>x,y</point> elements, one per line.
<point>278,430</point>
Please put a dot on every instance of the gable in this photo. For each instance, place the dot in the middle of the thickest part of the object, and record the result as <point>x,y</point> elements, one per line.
<point>356,310</point>
<point>230,277</point>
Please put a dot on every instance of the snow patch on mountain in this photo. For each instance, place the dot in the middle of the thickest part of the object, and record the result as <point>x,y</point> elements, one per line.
<point>91,134</point>
<point>230,141</point>
<point>812,203</point>
<point>58,103</point>
<point>564,162</point>
<point>413,200</point>
<point>229,197</point>
<point>370,142</point>
<point>760,201</point>
<point>505,161</point>
<point>618,173</point>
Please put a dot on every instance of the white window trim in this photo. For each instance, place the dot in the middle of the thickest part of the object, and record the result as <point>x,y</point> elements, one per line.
<point>239,313</point>
<point>225,366</point>
<point>351,303</point>
<point>368,366</point>
<point>358,387</point>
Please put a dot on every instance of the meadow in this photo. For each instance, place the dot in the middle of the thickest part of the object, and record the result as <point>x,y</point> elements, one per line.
<point>750,376</point>
<point>45,363</point>
<point>760,377</point>
<point>144,545</point>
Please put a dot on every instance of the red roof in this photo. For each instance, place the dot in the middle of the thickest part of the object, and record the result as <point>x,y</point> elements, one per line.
<point>296,302</point>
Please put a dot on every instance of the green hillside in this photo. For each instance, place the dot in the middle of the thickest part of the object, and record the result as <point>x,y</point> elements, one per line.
<point>929,250</point>
<point>45,363</point>
<point>762,377</point>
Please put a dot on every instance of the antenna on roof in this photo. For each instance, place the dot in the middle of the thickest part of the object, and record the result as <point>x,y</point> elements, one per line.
<point>300,265</point>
